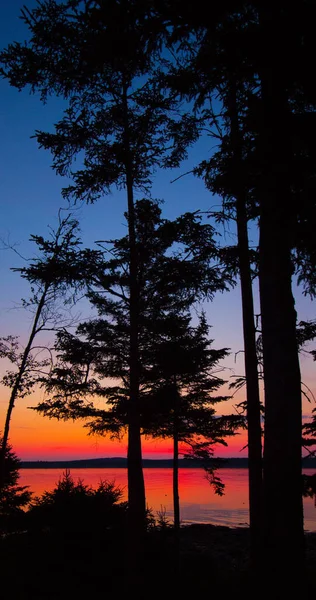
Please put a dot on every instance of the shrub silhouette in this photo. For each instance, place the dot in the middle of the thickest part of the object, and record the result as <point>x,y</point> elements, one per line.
<point>76,507</point>
<point>309,486</point>
<point>13,497</point>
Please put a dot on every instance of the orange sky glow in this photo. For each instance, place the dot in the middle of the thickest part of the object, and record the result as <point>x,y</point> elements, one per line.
<point>35,437</point>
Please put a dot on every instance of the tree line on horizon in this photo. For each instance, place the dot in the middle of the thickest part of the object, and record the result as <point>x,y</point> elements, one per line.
<point>142,84</point>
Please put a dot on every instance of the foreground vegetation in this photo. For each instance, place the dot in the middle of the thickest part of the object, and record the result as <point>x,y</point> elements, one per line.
<point>92,562</point>
<point>72,542</point>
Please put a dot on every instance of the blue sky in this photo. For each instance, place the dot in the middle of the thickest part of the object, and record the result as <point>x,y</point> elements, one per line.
<point>30,191</point>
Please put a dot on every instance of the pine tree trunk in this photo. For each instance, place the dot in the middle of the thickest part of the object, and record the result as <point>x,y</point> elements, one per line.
<point>252,386</point>
<point>283,512</point>
<point>283,509</point>
<point>136,487</point>
<point>249,334</point>
<point>176,498</point>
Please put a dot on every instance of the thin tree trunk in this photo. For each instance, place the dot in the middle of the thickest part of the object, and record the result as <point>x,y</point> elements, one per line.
<point>249,334</point>
<point>176,498</point>
<point>252,386</point>
<point>17,385</point>
<point>283,508</point>
<point>136,487</point>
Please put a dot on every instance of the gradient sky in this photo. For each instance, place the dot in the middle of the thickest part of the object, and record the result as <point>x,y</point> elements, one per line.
<point>29,201</point>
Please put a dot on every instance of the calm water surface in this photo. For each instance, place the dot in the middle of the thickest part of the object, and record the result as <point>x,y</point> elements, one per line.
<point>198,502</point>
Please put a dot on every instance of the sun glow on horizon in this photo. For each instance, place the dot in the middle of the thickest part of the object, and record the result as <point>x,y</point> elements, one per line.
<point>34,437</point>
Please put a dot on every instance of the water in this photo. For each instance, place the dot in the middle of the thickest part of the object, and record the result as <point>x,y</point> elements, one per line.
<point>198,503</point>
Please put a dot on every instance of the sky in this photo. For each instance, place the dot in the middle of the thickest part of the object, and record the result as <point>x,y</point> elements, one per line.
<point>30,197</point>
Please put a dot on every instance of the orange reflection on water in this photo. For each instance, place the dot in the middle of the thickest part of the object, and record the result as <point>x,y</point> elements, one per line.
<point>198,503</point>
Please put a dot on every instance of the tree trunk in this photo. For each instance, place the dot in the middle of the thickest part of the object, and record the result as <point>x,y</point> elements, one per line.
<point>176,498</point>
<point>249,334</point>
<point>136,487</point>
<point>283,509</point>
<point>17,385</point>
<point>283,512</point>
<point>252,387</point>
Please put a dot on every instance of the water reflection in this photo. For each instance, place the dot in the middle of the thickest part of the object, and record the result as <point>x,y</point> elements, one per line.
<point>198,502</point>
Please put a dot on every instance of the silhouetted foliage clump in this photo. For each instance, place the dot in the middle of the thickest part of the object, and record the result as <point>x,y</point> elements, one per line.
<point>76,507</point>
<point>309,486</point>
<point>13,497</point>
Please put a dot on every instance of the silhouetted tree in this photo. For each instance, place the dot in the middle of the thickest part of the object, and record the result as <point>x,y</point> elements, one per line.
<point>228,174</point>
<point>175,269</point>
<point>49,275</point>
<point>214,73</point>
<point>176,266</point>
<point>121,125</point>
<point>271,47</point>
<point>179,403</point>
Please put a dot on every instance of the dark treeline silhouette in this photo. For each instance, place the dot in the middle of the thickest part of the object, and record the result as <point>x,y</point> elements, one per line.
<point>143,82</point>
<point>119,462</point>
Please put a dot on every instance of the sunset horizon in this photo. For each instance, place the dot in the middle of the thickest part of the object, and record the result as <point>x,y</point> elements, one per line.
<point>102,448</point>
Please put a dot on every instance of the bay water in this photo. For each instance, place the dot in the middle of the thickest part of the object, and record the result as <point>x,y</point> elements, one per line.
<point>198,502</point>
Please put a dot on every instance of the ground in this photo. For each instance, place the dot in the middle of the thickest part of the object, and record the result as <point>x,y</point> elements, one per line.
<point>47,565</point>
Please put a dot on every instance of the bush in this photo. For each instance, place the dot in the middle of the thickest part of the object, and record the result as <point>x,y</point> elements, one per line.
<point>309,486</point>
<point>77,507</point>
<point>13,498</point>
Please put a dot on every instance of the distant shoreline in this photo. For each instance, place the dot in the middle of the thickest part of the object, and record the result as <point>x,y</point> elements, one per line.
<point>121,463</point>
